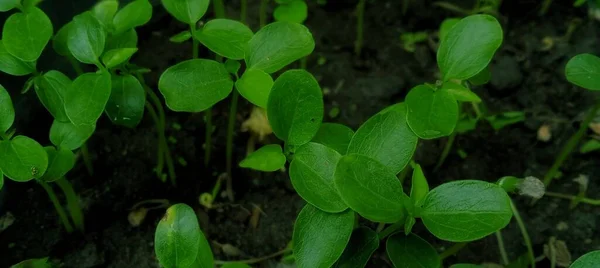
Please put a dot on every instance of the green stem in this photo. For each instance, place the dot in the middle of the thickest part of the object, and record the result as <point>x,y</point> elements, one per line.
<point>570,145</point>
<point>594,202</point>
<point>230,131</point>
<point>72,203</point>
<point>87,159</point>
<point>263,12</point>
<point>445,152</point>
<point>208,136</point>
<point>453,7</point>
<point>545,7</point>
<point>256,260</point>
<point>195,46</point>
<point>219,9</point>
<point>244,11</point>
<point>404,173</point>
<point>303,62</point>
<point>160,161</point>
<point>360,16</point>
<point>452,250</point>
<point>502,249</point>
<point>76,65</point>
<point>391,229</point>
<point>59,209</point>
<point>524,232</point>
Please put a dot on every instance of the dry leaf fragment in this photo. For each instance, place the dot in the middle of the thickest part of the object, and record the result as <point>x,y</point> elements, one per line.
<point>137,216</point>
<point>544,133</point>
<point>258,124</point>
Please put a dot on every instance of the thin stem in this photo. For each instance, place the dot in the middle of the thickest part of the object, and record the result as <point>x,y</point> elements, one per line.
<point>380,227</point>
<point>453,7</point>
<point>219,9</point>
<point>230,131</point>
<point>570,145</point>
<point>445,152</point>
<point>76,65</point>
<point>87,159</point>
<point>404,173</point>
<point>524,232</point>
<point>304,63</point>
<point>208,136</point>
<point>477,110</point>
<point>545,6</point>
<point>160,161</point>
<point>161,203</point>
<point>360,16</point>
<point>452,250</point>
<point>195,46</point>
<point>391,229</point>
<point>263,12</point>
<point>502,249</point>
<point>59,209</point>
<point>257,260</point>
<point>594,202</point>
<point>72,203</point>
<point>244,11</point>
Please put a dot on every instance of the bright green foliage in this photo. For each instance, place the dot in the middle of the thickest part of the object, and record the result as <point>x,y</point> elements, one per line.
<point>6,5</point>
<point>7,111</point>
<point>127,100</point>
<point>179,242</point>
<point>33,263</point>
<point>134,14</point>
<point>114,57</point>
<point>28,5</point>
<point>446,25</point>
<point>502,120</point>
<point>334,136</point>
<point>181,37</point>
<point>233,67</point>
<point>411,251</point>
<point>320,237</point>
<point>60,161</point>
<point>69,136</point>
<point>312,174</point>
<point>255,86</point>
<point>584,70</point>
<point>460,93</point>
<point>60,42</point>
<point>236,265</point>
<point>363,243</point>
<point>26,34</point>
<point>51,89</point>
<point>431,114</point>
<point>291,11</point>
<point>269,158</point>
<point>105,11</point>
<point>195,85</point>
<point>12,65</point>
<point>295,107</point>
<point>128,39</point>
<point>480,209</point>
<point>87,98</point>
<point>419,187</point>
<point>22,159</point>
<point>589,260</point>
<point>370,188</point>
<point>277,45</point>
<point>590,146</point>
<point>87,38</point>
<point>186,11</point>
<point>482,77</point>
<point>469,47</point>
<point>224,37</point>
<point>387,138</point>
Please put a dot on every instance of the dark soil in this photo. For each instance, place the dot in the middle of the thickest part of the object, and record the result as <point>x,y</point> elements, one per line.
<point>525,78</point>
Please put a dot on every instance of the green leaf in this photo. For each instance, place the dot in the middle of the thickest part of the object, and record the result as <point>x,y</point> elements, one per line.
<point>233,67</point>
<point>590,146</point>
<point>312,174</point>
<point>431,114</point>
<point>469,47</point>
<point>334,136</point>
<point>7,5</point>
<point>26,34</point>
<point>482,77</point>
<point>60,162</point>
<point>236,265</point>
<point>460,93</point>
<point>134,14</point>
<point>127,101</point>
<point>181,37</point>
<point>186,11</point>
<point>255,86</point>
<point>22,159</point>
<point>589,260</point>
<point>462,211</point>
<point>115,57</point>
<point>12,65</point>
<point>320,237</point>
<point>60,42</point>
<point>28,5</point>
<point>85,101</point>
<point>579,3</point>
<point>33,263</point>
<point>584,70</point>
<point>51,89</point>
<point>178,240</point>
<point>87,38</point>
<point>446,25</point>
<point>295,107</point>
<point>419,187</point>
<point>363,243</point>
<point>370,188</point>
<point>69,136</point>
<point>466,124</point>
<point>7,111</point>
<point>409,223</point>
<point>128,39</point>
<point>227,38</point>
<point>195,85</point>
<point>105,11</point>
<point>411,251</point>
<point>505,119</point>
<point>277,45</point>
<point>269,158</point>
<point>387,138</point>
<point>294,11</point>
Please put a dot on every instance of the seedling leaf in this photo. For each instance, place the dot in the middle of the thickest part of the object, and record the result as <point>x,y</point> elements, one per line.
<point>411,251</point>
<point>462,211</point>
<point>460,93</point>
<point>105,11</point>
<point>312,174</point>
<point>588,260</point>
<point>181,37</point>
<point>584,70</point>
<point>431,114</point>
<point>127,101</point>
<point>128,39</point>
<point>60,162</point>
<point>505,119</point>
<point>233,67</point>
<point>134,14</point>
<point>255,86</point>
<point>7,111</point>
<point>320,237</point>
<point>482,77</point>
<point>85,101</point>
<point>186,11</point>
<point>224,37</point>
<point>22,159</point>
<point>446,25</point>
<point>51,89</point>
<point>294,11</point>
<point>60,42</point>
<point>87,38</point>
<point>590,146</point>
<point>26,34</point>
<point>334,136</point>
<point>33,263</point>
<point>69,136</point>
<point>409,223</point>
<point>269,158</point>
<point>114,57</point>
<point>419,187</point>
<point>6,5</point>
<point>12,65</point>
<point>363,243</point>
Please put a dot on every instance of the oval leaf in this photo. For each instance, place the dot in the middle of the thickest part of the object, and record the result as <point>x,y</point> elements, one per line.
<point>134,14</point>
<point>60,42</point>
<point>419,187</point>
<point>468,210</point>
<point>370,188</point>
<point>460,93</point>
<point>69,136</point>
<point>51,89</point>
<point>334,136</point>
<point>224,37</point>
<point>26,34</point>
<point>277,45</point>
<point>127,39</point>
<point>117,56</point>
<point>6,5</point>
<point>233,66</point>
<point>181,37</point>
<point>195,85</point>
<point>22,159</point>
<point>446,25</point>
<point>33,263</point>
<point>312,174</point>
<point>269,158</point>
<point>87,38</point>
<point>584,70</point>
<point>127,101</point>
<point>320,237</point>
<point>294,11</point>
<point>12,65</point>
<point>295,107</point>
<point>363,243</point>
<point>60,162</point>
<point>186,11</point>
<point>85,101</point>
<point>482,77</point>
<point>105,11</point>
<point>387,138</point>
<point>589,260</point>
<point>411,251</point>
<point>469,47</point>
<point>431,114</point>
<point>255,86</point>
<point>7,111</point>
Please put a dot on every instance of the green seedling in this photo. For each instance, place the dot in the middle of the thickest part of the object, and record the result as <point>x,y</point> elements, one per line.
<point>589,260</point>
<point>410,40</point>
<point>360,32</point>
<point>33,263</point>
<point>291,11</point>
